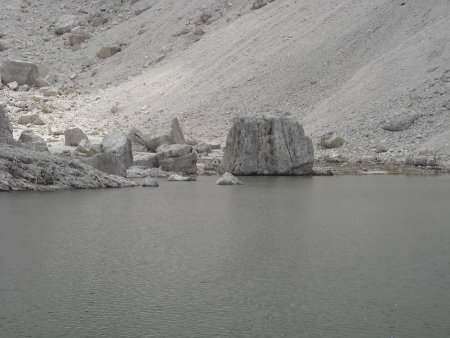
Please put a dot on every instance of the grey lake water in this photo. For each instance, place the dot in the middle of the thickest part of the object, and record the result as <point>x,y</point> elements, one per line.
<point>277,257</point>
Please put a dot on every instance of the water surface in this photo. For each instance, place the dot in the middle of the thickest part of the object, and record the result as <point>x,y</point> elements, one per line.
<point>277,257</point>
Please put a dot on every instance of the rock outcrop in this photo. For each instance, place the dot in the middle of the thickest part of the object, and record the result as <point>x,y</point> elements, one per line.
<point>267,146</point>
<point>22,169</point>
<point>18,71</point>
<point>177,158</point>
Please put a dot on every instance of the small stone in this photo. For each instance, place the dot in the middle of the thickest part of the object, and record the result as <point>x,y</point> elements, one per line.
<point>107,52</point>
<point>331,140</point>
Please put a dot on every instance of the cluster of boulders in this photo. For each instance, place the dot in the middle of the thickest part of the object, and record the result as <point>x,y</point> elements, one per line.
<point>135,154</point>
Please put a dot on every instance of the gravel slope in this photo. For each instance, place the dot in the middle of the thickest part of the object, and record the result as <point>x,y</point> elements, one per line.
<point>342,66</point>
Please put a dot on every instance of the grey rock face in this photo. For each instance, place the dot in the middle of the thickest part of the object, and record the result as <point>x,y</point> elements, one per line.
<point>143,159</point>
<point>119,144</point>
<point>179,178</point>
<point>150,182</point>
<point>400,122</point>
<point>228,179</point>
<point>18,71</point>
<point>22,169</point>
<point>5,128</point>
<point>267,146</point>
<point>73,136</point>
<point>168,132</point>
<point>108,163</point>
<point>331,140</point>
<point>177,158</point>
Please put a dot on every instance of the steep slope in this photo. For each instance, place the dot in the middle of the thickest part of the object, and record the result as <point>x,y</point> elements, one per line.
<point>337,65</point>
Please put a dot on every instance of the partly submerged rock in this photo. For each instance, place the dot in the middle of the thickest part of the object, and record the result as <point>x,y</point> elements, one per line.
<point>150,182</point>
<point>228,179</point>
<point>179,178</point>
<point>268,145</point>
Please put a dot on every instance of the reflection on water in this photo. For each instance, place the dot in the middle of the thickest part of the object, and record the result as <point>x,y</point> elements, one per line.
<point>277,257</point>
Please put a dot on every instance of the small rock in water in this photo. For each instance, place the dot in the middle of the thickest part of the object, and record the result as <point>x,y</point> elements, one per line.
<point>228,179</point>
<point>179,178</point>
<point>150,182</point>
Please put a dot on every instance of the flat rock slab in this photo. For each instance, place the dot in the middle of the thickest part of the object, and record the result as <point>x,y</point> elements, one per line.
<point>22,169</point>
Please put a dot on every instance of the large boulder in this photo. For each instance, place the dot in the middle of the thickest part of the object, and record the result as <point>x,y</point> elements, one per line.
<point>22,169</point>
<point>177,158</point>
<point>5,128</point>
<point>167,132</point>
<point>18,71</point>
<point>73,136</point>
<point>119,144</point>
<point>108,163</point>
<point>144,159</point>
<point>269,145</point>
